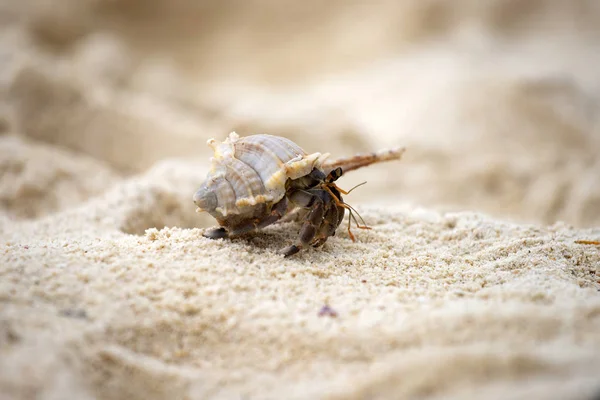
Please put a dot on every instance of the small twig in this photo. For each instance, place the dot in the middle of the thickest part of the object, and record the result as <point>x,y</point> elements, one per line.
<point>362,160</point>
<point>591,242</point>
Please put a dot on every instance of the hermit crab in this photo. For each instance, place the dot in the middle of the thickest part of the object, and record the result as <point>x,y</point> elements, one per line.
<point>255,181</point>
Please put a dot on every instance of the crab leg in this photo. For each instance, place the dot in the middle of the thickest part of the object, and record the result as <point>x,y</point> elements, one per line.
<point>362,160</point>
<point>278,211</point>
<point>340,203</point>
<point>311,224</point>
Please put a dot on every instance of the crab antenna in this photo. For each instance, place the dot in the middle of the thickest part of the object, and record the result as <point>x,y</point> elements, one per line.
<point>359,216</point>
<point>351,210</point>
<point>342,191</point>
<point>360,184</point>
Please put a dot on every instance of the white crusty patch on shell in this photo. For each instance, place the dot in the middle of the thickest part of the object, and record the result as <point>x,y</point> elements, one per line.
<point>256,169</point>
<point>294,169</point>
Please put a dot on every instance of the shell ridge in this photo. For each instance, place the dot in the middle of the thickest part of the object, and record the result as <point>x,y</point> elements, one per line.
<point>280,146</point>
<point>241,181</point>
<point>225,207</point>
<point>259,155</point>
<point>268,150</point>
<point>277,180</point>
<point>250,175</point>
<point>283,148</point>
<point>291,146</point>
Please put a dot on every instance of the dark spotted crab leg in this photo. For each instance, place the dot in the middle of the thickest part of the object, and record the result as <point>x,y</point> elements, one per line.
<point>276,213</point>
<point>312,223</point>
<point>341,204</point>
<point>332,219</point>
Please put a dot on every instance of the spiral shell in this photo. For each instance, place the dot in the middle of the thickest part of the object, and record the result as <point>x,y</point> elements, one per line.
<point>250,171</point>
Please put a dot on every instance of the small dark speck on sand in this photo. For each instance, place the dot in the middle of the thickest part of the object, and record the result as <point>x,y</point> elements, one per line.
<point>74,313</point>
<point>327,311</point>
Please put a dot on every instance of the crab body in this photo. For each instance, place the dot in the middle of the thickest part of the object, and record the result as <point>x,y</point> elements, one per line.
<point>255,180</point>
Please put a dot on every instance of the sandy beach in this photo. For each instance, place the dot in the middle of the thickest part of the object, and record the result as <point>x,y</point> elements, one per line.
<point>480,277</point>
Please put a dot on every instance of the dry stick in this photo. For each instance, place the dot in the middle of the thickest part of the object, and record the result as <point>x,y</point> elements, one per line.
<point>362,160</point>
<point>355,162</point>
<point>592,242</point>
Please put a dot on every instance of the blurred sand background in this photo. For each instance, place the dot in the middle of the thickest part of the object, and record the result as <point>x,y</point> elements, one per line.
<point>470,285</point>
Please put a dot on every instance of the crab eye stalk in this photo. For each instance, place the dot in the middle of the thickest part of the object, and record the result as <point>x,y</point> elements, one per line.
<point>205,199</point>
<point>335,174</point>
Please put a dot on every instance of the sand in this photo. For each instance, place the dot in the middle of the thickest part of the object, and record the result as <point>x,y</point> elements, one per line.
<point>479,279</point>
